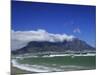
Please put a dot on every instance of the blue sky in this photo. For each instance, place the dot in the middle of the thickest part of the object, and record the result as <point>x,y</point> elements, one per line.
<point>77,20</point>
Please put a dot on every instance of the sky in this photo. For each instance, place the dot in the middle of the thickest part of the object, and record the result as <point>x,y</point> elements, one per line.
<point>76,20</point>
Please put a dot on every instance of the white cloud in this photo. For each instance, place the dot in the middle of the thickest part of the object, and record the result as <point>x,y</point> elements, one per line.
<point>77,30</point>
<point>20,39</point>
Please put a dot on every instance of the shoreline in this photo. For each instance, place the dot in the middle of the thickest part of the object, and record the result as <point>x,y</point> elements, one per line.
<point>39,68</point>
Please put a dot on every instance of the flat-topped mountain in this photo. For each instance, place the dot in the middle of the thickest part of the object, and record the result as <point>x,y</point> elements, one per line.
<point>45,46</point>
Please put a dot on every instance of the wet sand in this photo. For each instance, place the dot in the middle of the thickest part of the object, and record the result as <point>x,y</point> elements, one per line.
<point>17,71</point>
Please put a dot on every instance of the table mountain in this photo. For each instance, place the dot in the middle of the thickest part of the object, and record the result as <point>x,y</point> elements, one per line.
<point>45,46</point>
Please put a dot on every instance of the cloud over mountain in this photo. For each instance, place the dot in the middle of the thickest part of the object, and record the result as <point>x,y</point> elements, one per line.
<point>20,39</point>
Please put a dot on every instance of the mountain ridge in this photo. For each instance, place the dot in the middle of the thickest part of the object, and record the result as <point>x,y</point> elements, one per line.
<point>45,46</point>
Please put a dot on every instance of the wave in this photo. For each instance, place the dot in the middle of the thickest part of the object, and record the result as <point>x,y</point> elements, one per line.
<point>45,68</point>
<point>31,56</point>
<point>69,55</point>
<point>33,68</point>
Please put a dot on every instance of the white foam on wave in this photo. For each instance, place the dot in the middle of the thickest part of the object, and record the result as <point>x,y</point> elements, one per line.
<point>56,55</point>
<point>73,55</point>
<point>72,67</point>
<point>69,55</point>
<point>85,55</point>
<point>22,57</point>
<point>33,68</point>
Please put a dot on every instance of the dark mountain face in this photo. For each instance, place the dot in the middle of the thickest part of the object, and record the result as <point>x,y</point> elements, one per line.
<point>36,46</point>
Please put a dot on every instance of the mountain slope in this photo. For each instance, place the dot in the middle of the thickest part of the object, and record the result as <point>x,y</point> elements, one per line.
<point>44,46</point>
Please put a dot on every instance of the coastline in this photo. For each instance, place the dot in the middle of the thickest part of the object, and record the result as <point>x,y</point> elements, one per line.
<point>25,68</point>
